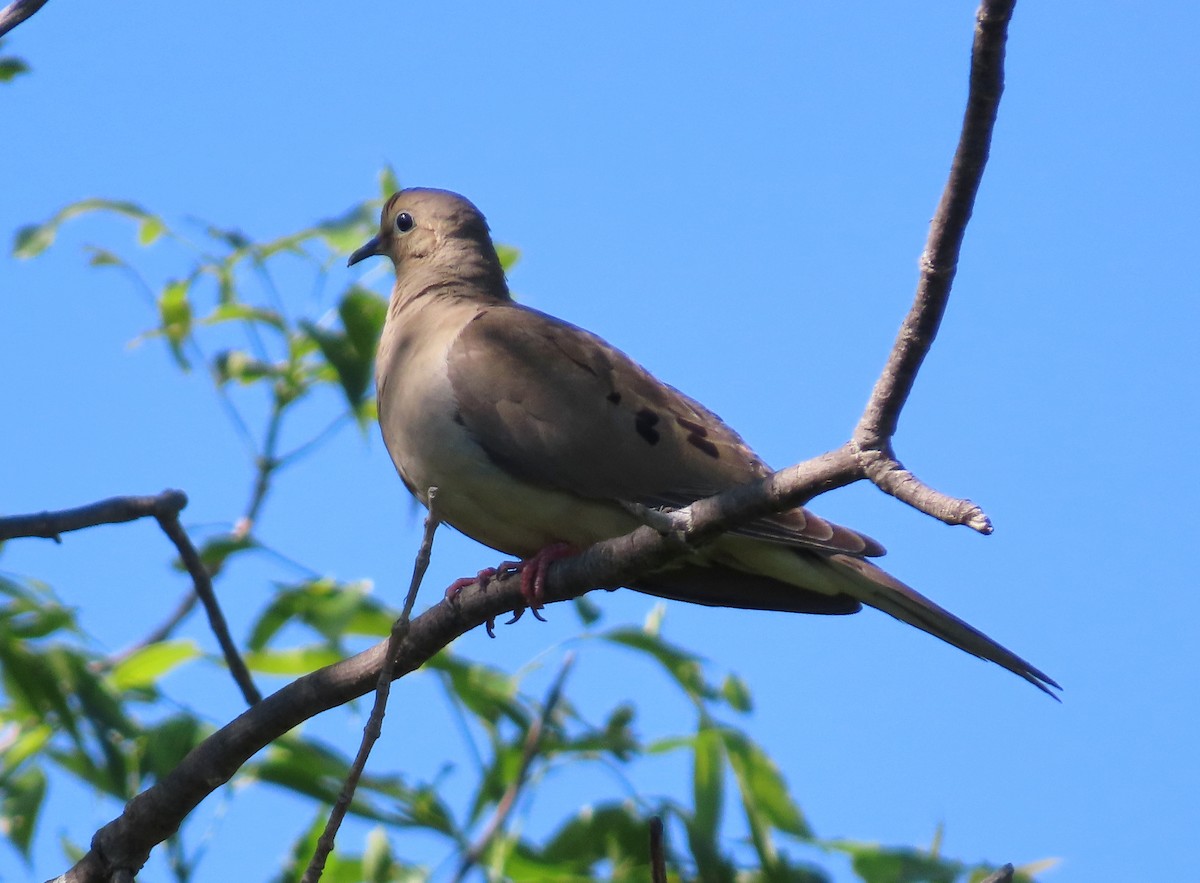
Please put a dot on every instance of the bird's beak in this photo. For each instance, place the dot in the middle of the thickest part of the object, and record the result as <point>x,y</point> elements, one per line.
<point>370,249</point>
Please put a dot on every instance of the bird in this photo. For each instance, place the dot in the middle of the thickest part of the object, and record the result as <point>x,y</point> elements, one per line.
<point>542,439</point>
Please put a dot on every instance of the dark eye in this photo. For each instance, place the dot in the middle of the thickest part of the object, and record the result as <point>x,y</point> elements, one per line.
<point>404,222</point>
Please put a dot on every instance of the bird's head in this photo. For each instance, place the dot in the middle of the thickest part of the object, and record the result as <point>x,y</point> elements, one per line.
<point>420,225</point>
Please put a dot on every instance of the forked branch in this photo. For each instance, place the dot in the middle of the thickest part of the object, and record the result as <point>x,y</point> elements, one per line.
<point>124,844</point>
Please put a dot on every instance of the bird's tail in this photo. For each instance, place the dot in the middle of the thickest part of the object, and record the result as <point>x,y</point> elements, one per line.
<point>881,590</point>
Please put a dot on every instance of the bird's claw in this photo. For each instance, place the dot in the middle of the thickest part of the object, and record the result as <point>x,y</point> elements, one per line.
<point>533,581</point>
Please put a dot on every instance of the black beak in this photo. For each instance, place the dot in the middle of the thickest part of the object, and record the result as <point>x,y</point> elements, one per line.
<point>370,249</point>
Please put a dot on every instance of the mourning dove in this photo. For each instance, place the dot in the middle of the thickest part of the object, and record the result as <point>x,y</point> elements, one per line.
<point>540,436</point>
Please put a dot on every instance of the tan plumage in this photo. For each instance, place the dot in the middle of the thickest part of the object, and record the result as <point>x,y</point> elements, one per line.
<point>536,432</point>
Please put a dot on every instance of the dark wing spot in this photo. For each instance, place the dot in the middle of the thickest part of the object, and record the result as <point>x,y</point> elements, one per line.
<point>692,427</point>
<point>458,418</point>
<point>644,422</point>
<point>698,436</point>
<point>614,397</point>
<point>705,445</point>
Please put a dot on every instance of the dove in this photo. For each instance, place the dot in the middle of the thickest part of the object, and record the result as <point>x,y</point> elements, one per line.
<point>543,439</point>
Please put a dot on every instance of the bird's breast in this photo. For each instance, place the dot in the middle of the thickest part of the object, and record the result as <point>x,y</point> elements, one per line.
<point>430,447</point>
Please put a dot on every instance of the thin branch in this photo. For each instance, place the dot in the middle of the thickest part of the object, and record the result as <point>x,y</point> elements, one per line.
<point>115,510</point>
<point>939,262</point>
<point>533,743</point>
<point>16,12</point>
<point>165,509</point>
<point>383,686</point>
<point>658,851</point>
<point>202,582</point>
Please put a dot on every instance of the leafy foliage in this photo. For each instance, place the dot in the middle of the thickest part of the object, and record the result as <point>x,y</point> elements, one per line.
<point>114,724</point>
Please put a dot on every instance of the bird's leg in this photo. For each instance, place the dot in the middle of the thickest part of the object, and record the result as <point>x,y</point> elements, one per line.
<point>533,580</point>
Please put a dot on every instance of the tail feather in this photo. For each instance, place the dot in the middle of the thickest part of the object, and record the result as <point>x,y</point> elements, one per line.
<point>879,589</point>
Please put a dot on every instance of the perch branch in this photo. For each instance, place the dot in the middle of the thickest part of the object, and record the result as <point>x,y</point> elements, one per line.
<point>124,844</point>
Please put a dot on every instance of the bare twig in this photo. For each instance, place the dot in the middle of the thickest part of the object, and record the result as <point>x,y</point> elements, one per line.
<point>115,510</point>
<point>383,686</point>
<point>165,509</point>
<point>202,581</point>
<point>873,436</point>
<point>16,12</point>
<point>533,743</point>
<point>658,851</point>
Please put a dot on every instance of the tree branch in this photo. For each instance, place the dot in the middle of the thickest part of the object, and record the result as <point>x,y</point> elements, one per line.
<point>165,509</point>
<point>155,814</point>
<point>16,12</point>
<point>872,438</point>
<point>115,510</point>
<point>383,686</point>
<point>124,844</point>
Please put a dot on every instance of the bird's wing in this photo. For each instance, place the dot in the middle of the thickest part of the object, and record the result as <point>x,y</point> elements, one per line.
<point>558,407</point>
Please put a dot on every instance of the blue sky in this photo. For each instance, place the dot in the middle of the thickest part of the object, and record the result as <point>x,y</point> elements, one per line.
<point>737,197</point>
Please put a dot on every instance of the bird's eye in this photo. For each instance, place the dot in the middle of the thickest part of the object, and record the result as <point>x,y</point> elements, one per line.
<point>404,222</point>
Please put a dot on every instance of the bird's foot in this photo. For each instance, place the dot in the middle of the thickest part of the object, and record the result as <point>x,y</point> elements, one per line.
<point>533,581</point>
<point>533,573</point>
<point>484,577</point>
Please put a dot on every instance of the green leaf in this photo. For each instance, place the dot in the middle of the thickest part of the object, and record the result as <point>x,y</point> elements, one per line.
<point>486,692</point>
<point>168,742</point>
<point>588,611</point>
<point>296,661</point>
<point>363,313</point>
<point>736,692</point>
<point>31,611</point>
<point>150,664</point>
<point>219,549</point>
<point>685,668</point>
<point>708,784</point>
<point>388,183</point>
<point>331,608</point>
<point>32,239</point>
<point>11,68</point>
<point>99,257</point>
<point>508,256</point>
<point>150,230</point>
<point>20,803</point>
<point>764,792</point>
<point>240,367</point>
<point>610,831</point>
<point>877,864</point>
<point>229,311</point>
<point>28,743</point>
<point>175,317</point>
<point>352,353</point>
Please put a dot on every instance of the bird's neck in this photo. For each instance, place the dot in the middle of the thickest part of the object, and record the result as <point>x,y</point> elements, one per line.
<point>460,274</point>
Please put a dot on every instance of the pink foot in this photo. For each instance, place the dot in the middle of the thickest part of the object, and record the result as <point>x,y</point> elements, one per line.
<point>533,580</point>
<point>483,577</point>
<point>533,573</point>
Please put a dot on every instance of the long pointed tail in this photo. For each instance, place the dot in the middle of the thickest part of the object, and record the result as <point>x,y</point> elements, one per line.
<point>881,590</point>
